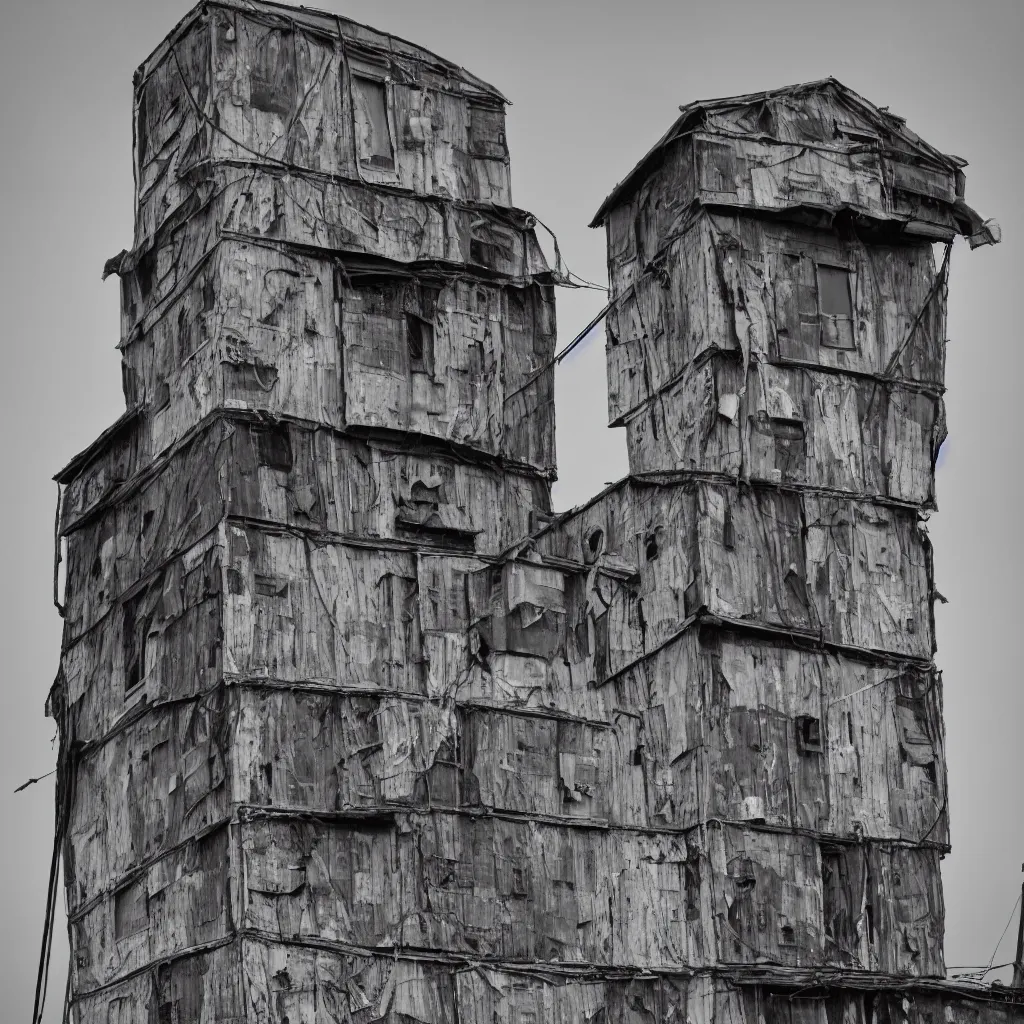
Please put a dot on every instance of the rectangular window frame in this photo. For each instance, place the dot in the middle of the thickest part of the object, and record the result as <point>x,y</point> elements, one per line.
<point>803,325</point>
<point>364,166</point>
<point>844,326</point>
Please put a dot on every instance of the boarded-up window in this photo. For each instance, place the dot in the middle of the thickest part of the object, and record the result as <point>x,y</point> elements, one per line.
<point>272,74</point>
<point>131,910</point>
<point>487,132</point>
<point>796,308</point>
<point>372,123</point>
<point>912,729</point>
<point>719,170</point>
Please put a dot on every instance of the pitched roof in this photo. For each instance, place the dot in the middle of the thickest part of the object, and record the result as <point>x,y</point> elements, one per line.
<point>773,116</point>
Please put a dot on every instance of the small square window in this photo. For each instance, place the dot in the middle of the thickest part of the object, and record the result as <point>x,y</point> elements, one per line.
<point>275,449</point>
<point>808,734</point>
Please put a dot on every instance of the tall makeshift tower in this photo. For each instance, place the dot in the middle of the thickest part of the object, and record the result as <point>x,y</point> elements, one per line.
<point>337,338</point>
<point>776,338</point>
<point>348,733</point>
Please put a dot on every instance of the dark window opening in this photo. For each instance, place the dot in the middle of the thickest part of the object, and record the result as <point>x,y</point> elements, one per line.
<point>372,126</point>
<point>272,74</point>
<point>808,734</point>
<point>788,935</point>
<point>270,586</point>
<point>815,307</point>
<point>162,398</point>
<point>728,530</point>
<point>421,493</point>
<point>651,547</point>
<point>129,385</point>
<point>433,533</point>
<point>185,346</point>
<point>519,887</point>
<point>209,293</point>
<point>718,167</point>
<point>275,448</point>
<point>145,273</point>
<point>420,335</point>
<point>480,252</point>
<point>236,581</point>
<point>693,596</point>
<point>487,132</point>
<point>913,731</point>
<point>136,630</point>
<point>594,546</point>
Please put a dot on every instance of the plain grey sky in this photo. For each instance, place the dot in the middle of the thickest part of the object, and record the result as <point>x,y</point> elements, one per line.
<point>593,85</point>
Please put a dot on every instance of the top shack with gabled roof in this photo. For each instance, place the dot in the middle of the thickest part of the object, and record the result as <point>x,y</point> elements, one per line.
<point>793,226</point>
<point>816,145</point>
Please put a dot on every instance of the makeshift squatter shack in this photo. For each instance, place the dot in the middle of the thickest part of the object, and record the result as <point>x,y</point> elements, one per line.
<point>351,729</point>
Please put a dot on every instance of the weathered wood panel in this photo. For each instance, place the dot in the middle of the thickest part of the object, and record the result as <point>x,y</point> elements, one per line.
<point>205,986</point>
<point>173,768</point>
<point>849,571</point>
<point>792,425</point>
<point>292,475</point>
<point>306,984</point>
<point>520,891</point>
<point>275,207</point>
<point>798,739</point>
<point>172,136</point>
<point>297,609</point>
<point>179,901</point>
<point>753,287</point>
<point>162,642</point>
<point>280,91</point>
<point>268,330</point>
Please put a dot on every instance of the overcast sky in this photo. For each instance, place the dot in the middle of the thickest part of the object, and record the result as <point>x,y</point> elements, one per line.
<point>593,86</point>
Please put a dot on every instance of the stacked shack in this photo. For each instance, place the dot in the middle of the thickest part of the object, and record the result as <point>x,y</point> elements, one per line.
<point>352,729</point>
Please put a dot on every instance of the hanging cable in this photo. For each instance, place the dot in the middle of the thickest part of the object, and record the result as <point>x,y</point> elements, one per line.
<point>62,807</point>
<point>563,275</point>
<point>561,355</point>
